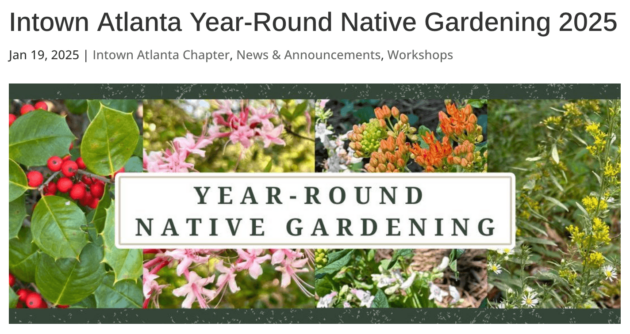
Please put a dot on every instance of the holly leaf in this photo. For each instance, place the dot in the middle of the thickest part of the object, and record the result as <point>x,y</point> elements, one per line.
<point>380,300</point>
<point>56,227</point>
<point>133,165</point>
<point>38,135</point>
<point>69,281</point>
<point>109,141</point>
<point>17,213</point>
<point>100,213</point>
<point>127,106</point>
<point>122,294</point>
<point>23,256</point>
<point>13,298</point>
<point>76,106</point>
<point>127,263</point>
<point>18,183</point>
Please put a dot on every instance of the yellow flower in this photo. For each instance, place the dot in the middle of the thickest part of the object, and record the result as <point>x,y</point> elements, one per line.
<point>601,232</point>
<point>576,236</point>
<point>591,204</point>
<point>595,259</point>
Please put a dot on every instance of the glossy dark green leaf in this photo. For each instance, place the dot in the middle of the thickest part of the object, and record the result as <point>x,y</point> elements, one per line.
<point>109,141</point>
<point>127,263</point>
<point>69,281</point>
<point>18,183</point>
<point>335,264</point>
<point>17,213</point>
<point>23,256</point>
<point>122,294</point>
<point>37,136</point>
<point>76,106</point>
<point>13,298</point>
<point>56,227</point>
<point>100,213</point>
<point>133,165</point>
<point>127,106</point>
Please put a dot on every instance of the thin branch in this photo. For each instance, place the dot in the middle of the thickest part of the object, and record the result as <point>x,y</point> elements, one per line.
<point>41,187</point>
<point>94,176</point>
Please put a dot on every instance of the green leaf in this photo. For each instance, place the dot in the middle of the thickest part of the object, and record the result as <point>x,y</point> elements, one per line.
<point>122,294</point>
<point>37,136</point>
<point>23,256</point>
<point>109,141</point>
<point>557,203</point>
<point>18,183</point>
<point>56,227</point>
<point>422,130</point>
<point>539,241</point>
<point>127,106</point>
<point>69,281</point>
<point>397,254</point>
<point>13,298</point>
<point>100,213</point>
<point>268,167</point>
<point>335,264</point>
<point>87,302</point>
<point>76,106</point>
<point>324,286</point>
<point>127,263</point>
<point>380,300</point>
<point>17,213</point>
<point>299,109</point>
<point>133,165</point>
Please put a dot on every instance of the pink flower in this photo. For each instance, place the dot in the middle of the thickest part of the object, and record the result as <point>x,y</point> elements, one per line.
<point>227,276</point>
<point>186,257</point>
<point>280,254</point>
<point>252,261</point>
<point>289,268</point>
<point>194,291</point>
<point>270,134</point>
<point>190,145</point>
<point>322,103</point>
<point>242,135</point>
<point>260,115</point>
<point>149,285</point>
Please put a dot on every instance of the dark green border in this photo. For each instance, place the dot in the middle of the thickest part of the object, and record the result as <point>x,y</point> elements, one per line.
<point>314,91</point>
<point>314,316</point>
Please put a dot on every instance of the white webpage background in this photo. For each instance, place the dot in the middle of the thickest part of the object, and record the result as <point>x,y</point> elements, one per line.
<point>508,57</point>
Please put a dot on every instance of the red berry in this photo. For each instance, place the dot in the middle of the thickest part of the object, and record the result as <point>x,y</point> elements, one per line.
<point>97,190</point>
<point>94,203</point>
<point>64,184</point>
<point>80,163</point>
<point>19,305</point>
<point>26,109</point>
<point>78,191</point>
<point>69,168</point>
<point>87,199</point>
<point>54,163</point>
<point>63,306</point>
<point>66,158</point>
<point>35,178</point>
<point>11,279</point>
<point>34,300</point>
<point>50,189</point>
<point>23,294</point>
<point>71,145</point>
<point>87,180</point>
<point>12,119</point>
<point>41,105</point>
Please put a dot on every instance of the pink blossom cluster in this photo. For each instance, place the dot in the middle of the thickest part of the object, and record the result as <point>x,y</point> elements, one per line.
<point>244,127</point>
<point>203,290</point>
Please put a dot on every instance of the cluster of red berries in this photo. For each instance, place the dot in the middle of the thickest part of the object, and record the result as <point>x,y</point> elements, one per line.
<point>28,108</point>
<point>29,298</point>
<point>85,189</point>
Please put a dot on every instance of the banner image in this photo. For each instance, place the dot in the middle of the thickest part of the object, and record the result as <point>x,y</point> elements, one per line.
<point>187,204</point>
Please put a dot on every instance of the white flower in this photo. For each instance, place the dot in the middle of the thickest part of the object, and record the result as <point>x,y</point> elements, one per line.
<point>528,289</point>
<point>454,293</point>
<point>505,251</point>
<point>365,297</point>
<point>322,132</point>
<point>443,265</point>
<point>383,280</point>
<point>334,164</point>
<point>327,300</point>
<point>610,273</point>
<point>530,300</point>
<point>495,267</point>
<point>501,305</point>
<point>407,284</point>
<point>436,293</point>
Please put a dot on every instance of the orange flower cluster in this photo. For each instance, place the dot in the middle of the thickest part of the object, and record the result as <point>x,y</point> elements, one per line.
<point>461,123</point>
<point>391,157</point>
<point>433,158</point>
<point>463,155</point>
